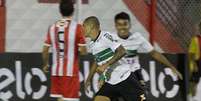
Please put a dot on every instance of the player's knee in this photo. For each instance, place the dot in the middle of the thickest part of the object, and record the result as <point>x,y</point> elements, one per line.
<point>101,98</point>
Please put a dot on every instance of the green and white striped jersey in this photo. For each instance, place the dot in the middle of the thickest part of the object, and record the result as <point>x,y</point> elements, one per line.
<point>103,49</point>
<point>134,44</point>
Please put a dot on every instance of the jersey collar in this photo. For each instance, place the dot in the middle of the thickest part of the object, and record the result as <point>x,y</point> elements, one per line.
<point>66,18</point>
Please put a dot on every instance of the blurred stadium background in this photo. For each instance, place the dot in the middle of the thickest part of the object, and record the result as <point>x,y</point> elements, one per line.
<point>168,24</point>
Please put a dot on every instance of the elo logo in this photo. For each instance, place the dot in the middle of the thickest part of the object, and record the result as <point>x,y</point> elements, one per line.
<point>158,81</point>
<point>17,77</point>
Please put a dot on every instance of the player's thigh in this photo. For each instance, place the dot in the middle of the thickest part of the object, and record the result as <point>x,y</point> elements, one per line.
<point>101,98</point>
<point>131,89</point>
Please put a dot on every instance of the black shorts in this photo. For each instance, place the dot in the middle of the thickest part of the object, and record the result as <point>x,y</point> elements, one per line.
<point>196,75</point>
<point>138,74</point>
<point>129,89</point>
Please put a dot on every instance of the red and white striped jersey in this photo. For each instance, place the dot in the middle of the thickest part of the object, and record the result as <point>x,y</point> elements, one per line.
<point>65,37</point>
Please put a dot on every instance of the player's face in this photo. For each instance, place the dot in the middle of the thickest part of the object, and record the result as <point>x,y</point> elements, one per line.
<point>87,31</point>
<point>122,27</point>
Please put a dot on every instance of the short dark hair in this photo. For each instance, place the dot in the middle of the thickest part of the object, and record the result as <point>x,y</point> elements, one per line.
<point>122,15</point>
<point>66,7</point>
<point>92,21</point>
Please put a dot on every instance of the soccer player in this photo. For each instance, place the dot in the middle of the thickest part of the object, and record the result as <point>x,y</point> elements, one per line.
<point>195,62</point>
<point>108,53</point>
<point>135,42</point>
<point>65,38</point>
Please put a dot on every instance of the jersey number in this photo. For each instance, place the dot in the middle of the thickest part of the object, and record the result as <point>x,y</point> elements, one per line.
<point>61,43</point>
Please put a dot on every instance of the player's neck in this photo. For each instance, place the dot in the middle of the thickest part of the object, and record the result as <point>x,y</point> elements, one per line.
<point>67,17</point>
<point>124,37</point>
<point>96,35</point>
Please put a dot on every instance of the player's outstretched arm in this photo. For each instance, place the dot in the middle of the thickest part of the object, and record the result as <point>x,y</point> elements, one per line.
<point>119,53</point>
<point>162,59</point>
<point>45,57</point>
<point>90,76</point>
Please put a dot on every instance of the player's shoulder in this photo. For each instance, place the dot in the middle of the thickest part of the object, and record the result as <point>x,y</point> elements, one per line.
<point>51,27</point>
<point>54,25</point>
<point>78,25</point>
<point>115,35</point>
<point>136,35</point>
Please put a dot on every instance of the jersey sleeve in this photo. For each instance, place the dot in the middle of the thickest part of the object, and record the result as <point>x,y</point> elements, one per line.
<point>111,42</point>
<point>145,46</point>
<point>80,36</point>
<point>48,39</point>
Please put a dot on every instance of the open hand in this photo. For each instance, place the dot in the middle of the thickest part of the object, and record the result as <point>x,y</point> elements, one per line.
<point>46,69</point>
<point>101,68</point>
<point>177,73</point>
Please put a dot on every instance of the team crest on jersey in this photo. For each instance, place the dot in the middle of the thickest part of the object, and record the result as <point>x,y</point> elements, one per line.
<point>108,36</point>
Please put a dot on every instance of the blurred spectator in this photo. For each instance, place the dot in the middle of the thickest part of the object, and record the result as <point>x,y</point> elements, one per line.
<point>195,62</point>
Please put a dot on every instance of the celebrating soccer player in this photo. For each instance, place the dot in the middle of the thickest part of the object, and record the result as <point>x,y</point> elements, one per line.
<point>135,42</point>
<point>108,55</point>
